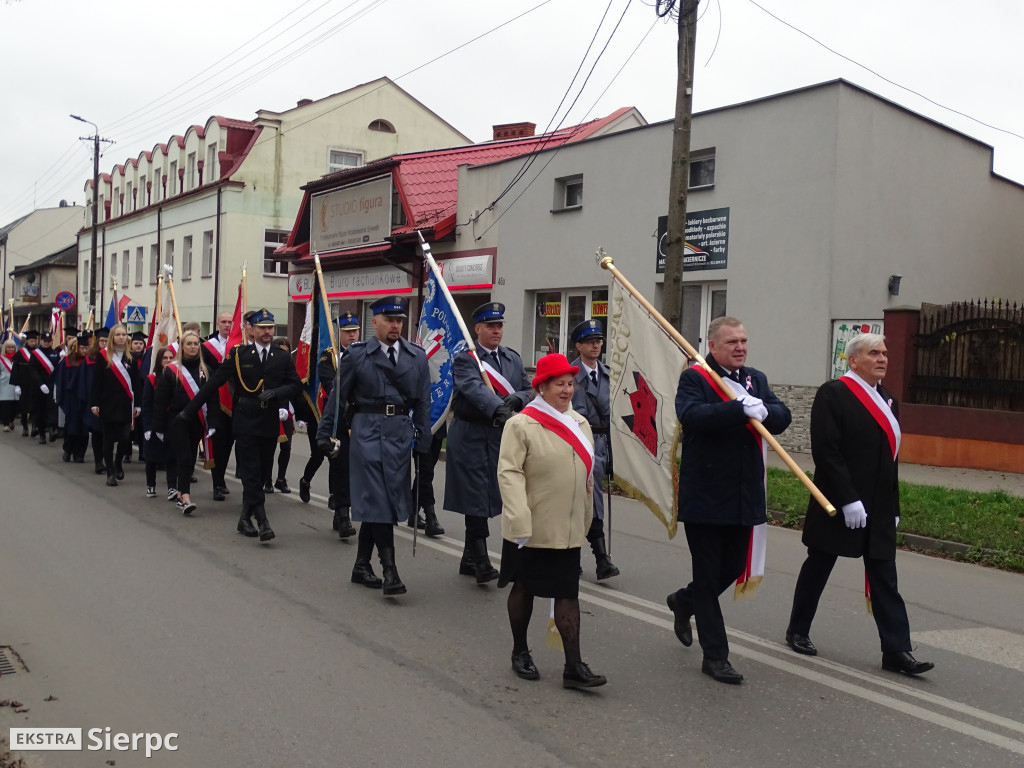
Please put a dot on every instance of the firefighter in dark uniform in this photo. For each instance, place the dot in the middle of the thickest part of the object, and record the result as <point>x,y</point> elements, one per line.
<point>264,377</point>
<point>384,386</point>
<point>46,403</point>
<point>591,400</point>
<point>480,412</point>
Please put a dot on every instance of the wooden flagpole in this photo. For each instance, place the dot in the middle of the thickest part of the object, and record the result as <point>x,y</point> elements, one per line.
<point>174,301</point>
<point>605,261</point>
<point>245,296</point>
<point>327,308</point>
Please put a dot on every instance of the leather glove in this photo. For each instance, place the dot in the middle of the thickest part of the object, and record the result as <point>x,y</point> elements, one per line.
<point>282,414</point>
<point>502,414</point>
<point>17,391</point>
<point>754,408</point>
<point>44,389</point>
<point>514,402</point>
<point>522,542</point>
<point>159,436</point>
<point>147,434</point>
<point>855,514</point>
<point>268,396</point>
<point>330,447</point>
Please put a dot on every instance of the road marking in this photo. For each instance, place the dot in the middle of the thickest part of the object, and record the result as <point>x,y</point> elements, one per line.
<point>996,646</point>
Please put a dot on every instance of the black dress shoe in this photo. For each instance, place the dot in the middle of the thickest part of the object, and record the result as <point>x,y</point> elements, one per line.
<point>362,573</point>
<point>42,439</point>
<point>801,644</point>
<point>79,459</point>
<point>266,532</point>
<point>218,495</point>
<point>682,626</point>
<point>522,665</point>
<point>66,457</point>
<point>721,670</point>
<point>224,490</point>
<point>53,437</point>
<point>282,486</point>
<point>905,663</point>
<point>304,491</point>
<point>246,528</point>
<point>119,473</point>
<point>580,676</point>
<point>268,487</point>
<point>111,481</point>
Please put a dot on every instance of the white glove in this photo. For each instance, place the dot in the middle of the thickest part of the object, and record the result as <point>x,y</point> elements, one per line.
<point>147,434</point>
<point>855,514</point>
<point>211,432</point>
<point>754,408</point>
<point>44,389</point>
<point>522,542</point>
<point>282,414</point>
<point>897,521</point>
<point>159,436</point>
<point>136,412</point>
<point>17,391</point>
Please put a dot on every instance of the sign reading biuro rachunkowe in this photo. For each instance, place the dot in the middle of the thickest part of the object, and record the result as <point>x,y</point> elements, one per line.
<point>351,217</point>
<point>706,241</point>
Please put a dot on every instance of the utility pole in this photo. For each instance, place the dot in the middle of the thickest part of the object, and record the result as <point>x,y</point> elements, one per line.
<point>93,261</point>
<point>672,299</point>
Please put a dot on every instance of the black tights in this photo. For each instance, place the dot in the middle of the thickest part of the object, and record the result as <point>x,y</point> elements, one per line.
<point>567,621</point>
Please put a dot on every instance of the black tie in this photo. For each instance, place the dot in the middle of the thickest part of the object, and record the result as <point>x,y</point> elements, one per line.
<point>593,377</point>
<point>263,356</point>
<point>497,364</point>
<point>391,356</point>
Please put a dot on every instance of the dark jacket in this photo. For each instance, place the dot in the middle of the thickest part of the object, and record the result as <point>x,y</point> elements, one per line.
<point>170,396</point>
<point>721,472</point>
<point>852,461</point>
<point>109,395</point>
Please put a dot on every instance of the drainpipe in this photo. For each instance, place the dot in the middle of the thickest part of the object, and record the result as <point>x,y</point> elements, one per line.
<point>216,260</point>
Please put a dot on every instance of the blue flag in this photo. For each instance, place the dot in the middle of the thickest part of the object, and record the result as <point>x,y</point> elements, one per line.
<point>112,318</point>
<point>443,336</point>
<point>314,339</point>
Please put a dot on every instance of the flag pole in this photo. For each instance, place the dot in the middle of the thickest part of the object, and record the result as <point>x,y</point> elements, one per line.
<point>429,259</point>
<point>327,309</point>
<point>245,297</point>
<point>605,262</point>
<point>174,301</point>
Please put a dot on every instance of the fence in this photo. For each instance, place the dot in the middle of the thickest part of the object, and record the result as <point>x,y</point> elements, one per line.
<point>969,355</point>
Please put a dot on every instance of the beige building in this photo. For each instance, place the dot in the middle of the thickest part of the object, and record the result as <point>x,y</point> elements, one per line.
<point>225,194</point>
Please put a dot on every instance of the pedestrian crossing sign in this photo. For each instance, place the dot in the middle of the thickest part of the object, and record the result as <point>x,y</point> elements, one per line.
<point>136,315</point>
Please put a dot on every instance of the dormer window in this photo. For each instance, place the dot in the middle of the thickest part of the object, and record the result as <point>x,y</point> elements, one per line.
<point>381,125</point>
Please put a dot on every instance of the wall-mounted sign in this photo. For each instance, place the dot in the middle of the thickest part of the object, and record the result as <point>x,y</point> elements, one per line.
<point>351,217</point>
<point>842,332</point>
<point>468,271</point>
<point>706,242</point>
<point>352,282</point>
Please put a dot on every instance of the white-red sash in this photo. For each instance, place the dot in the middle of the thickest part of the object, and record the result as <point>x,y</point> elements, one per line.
<point>152,379</point>
<point>565,427</point>
<point>224,392</point>
<point>120,373</point>
<point>880,410</point>
<point>26,354</point>
<point>501,385</point>
<point>8,364</point>
<point>43,360</point>
<point>192,389</point>
<point>752,574</point>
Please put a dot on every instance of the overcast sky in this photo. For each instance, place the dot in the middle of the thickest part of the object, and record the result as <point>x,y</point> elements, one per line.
<point>144,71</point>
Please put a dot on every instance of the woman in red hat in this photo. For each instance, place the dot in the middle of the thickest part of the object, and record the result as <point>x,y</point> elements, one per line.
<point>545,474</point>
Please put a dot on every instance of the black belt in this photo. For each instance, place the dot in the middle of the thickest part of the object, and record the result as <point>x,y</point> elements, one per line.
<point>599,430</point>
<point>385,409</point>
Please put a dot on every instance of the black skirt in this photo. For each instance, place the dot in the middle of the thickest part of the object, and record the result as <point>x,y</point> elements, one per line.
<point>541,572</point>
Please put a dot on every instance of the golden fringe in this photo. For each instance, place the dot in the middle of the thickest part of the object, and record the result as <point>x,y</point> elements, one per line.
<point>867,604</point>
<point>551,638</point>
<point>747,588</point>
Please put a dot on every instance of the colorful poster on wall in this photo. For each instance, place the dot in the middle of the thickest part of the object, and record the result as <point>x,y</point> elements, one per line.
<point>706,241</point>
<point>842,332</point>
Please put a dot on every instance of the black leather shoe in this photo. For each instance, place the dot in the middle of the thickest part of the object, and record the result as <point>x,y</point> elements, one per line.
<point>100,469</point>
<point>433,529</point>
<point>282,485</point>
<point>224,490</point>
<point>721,670</point>
<point>418,520</point>
<point>111,481</point>
<point>905,663</point>
<point>78,459</point>
<point>266,532</point>
<point>345,528</point>
<point>801,644</point>
<point>119,473</point>
<point>304,490</point>
<point>65,457</point>
<point>362,573</point>
<point>42,439</point>
<point>522,665</point>
<point>268,487</point>
<point>218,494</point>
<point>580,676</point>
<point>682,626</point>
<point>246,528</point>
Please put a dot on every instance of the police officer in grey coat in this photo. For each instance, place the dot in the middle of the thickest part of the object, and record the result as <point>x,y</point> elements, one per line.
<point>384,384</point>
<point>480,412</point>
<point>590,399</point>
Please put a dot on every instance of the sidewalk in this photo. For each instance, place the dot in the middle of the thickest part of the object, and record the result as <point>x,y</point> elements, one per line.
<point>945,477</point>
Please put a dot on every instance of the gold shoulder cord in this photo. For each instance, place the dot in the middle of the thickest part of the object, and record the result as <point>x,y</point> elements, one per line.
<point>238,370</point>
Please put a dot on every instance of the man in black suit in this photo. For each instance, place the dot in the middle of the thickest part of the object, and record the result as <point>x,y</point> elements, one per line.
<point>721,484</point>
<point>264,377</point>
<point>855,438</point>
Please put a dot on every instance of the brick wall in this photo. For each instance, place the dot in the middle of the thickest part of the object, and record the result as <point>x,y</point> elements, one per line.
<point>797,438</point>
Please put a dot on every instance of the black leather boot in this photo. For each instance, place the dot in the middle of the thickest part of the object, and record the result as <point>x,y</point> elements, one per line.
<point>483,570</point>
<point>605,567</point>
<point>337,520</point>
<point>433,529</point>
<point>466,564</point>
<point>118,470</point>
<point>392,583</point>
<point>266,533</point>
<point>362,572</point>
<point>345,528</point>
<point>111,480</point>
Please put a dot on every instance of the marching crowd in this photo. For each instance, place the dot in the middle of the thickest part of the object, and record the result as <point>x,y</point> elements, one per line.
<point>533,451</point>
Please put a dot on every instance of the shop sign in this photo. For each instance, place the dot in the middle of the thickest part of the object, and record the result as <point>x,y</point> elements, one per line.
<point>351,217</point>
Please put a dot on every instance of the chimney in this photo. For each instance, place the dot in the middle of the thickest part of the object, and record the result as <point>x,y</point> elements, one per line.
<point>513,130</point>
<point>304,102</point>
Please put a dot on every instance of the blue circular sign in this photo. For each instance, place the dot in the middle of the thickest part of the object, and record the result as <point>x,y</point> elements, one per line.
<point>65,300</point>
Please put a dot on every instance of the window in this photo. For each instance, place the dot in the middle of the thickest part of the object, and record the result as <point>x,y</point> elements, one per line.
<point>169,255</point>
<point>113,265</point>
<point>126,268</point>
<point>138,265</point>
<point>172,179</point>
<point>272,240</point>
<point>154,263</point>
<point>339,160</point>
<point>558,312</point>
<point>381,125</point>
<point>85,276</point>
<point>702,169</point>
<point>208,253</point>
<point>397,209</point>
<point>44,284</point>
<point>190,174</point>
<point>186,258</point>
<point>129,201</point>
<point>211,163</point>
<point>142,192</point>
<point>568,193</point>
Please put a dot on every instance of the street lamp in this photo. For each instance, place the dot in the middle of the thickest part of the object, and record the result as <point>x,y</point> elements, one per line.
<point>95,205</point>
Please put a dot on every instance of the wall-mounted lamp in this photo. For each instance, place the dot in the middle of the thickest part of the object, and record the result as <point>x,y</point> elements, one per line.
<point>894,284</point>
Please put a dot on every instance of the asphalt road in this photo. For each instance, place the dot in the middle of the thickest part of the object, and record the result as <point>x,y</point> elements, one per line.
<point>140,620</point>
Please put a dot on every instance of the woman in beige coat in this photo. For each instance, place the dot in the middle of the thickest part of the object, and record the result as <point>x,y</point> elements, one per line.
<point>545,475</point>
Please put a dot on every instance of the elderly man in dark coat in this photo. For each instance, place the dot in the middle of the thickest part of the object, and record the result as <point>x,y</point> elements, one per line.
<point>480,411</point>
<point>855,438</point>
<point>721,484</point>
<point>384,384</point>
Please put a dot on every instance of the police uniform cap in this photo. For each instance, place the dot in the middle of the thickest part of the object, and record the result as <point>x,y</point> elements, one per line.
<point>262,317</point>
<point>389,306</point>
<point>348,322</point>
<point>491,312</point>
<point>31,334</point>
<point>587,331</point>
<point>139,336</point>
